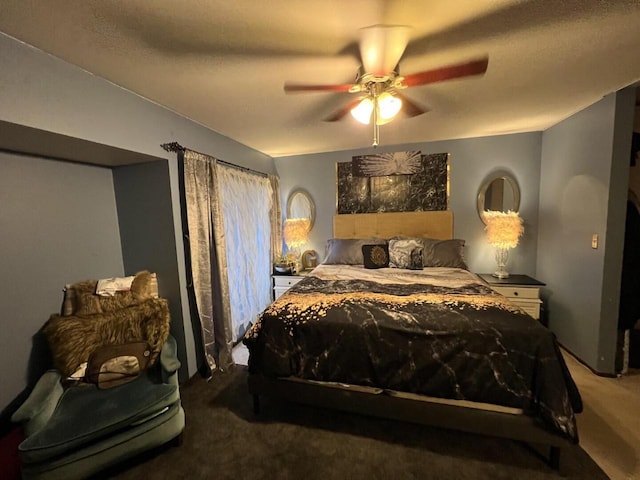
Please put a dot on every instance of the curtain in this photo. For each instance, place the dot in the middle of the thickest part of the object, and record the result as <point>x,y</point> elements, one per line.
<point>206,237</point>
<point>232,217</point>
<point>276,219</point>
<point>246,206</point>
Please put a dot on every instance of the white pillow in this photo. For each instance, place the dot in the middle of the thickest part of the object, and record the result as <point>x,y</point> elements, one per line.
<point>107,287</point>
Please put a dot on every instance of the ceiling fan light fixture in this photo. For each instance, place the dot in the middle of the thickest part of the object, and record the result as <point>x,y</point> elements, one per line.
<point>388,107</point>
<point>386,104</point>
<point>362,112</point>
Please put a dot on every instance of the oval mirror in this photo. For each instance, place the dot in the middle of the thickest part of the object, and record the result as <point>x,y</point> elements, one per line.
<point>300,205</point>
<point>500,193</point>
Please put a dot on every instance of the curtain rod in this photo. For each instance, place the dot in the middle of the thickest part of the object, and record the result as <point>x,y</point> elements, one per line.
<point>176,147</point>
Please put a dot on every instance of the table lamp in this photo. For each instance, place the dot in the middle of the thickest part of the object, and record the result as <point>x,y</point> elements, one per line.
<point>296,234</point>
<point>504,230</point>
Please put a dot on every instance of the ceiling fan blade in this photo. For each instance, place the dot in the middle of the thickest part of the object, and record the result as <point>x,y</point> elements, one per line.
<point>294,88</point>
<point>381,47</point>
<point>475,67</point>
<point>342,112</point>
<point>411,108</point>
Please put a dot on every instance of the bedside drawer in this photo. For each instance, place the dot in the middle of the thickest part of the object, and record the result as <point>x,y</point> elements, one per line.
<point>277,291</point>
<point>285,281</point>
<point>532,309</point>
<point>521,290</point>
<point>282,283</point>
<point>518,292</point>
<point>529,305</point>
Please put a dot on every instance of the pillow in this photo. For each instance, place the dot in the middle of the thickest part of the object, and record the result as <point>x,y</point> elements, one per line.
<point>348,251</point>
<point>406,253</point>
<point>88,304</point>
<point>444,253</point>
<point>81,298</point>
<point>375,256</point>
<point>72,339</point>
<point>145,285</point>
<point>113,365</point>
<point>71,293</point>
<point>109,286</point>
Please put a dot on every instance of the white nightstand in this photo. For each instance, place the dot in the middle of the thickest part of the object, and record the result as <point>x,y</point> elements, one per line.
<point>282,283</point>
<point>522,290</point>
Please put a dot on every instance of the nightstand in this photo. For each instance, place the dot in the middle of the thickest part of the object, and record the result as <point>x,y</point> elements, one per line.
<point>522,290</point>
<point>282,283</point>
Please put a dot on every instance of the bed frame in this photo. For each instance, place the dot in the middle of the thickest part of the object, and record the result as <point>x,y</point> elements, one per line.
<point>458,415</point>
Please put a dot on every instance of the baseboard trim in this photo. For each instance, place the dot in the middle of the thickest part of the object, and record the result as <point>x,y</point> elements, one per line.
<point>595,372</point>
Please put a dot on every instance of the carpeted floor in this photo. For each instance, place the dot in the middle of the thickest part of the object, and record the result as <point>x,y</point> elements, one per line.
<point>223,439</point>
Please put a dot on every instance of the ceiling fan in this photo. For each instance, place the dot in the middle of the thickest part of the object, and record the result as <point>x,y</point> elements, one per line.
<point>378,82</point>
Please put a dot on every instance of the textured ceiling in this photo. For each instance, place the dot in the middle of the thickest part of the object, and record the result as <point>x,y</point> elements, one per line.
<point>223,63</point>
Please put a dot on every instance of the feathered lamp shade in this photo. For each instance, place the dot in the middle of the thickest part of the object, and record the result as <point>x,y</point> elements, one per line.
<point>296,234</point>
<point>504,230</point>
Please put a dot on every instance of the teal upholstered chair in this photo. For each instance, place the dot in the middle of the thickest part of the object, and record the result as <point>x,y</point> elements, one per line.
<point>76,432</point>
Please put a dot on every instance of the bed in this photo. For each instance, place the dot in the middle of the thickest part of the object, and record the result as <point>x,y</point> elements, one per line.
<point>431,345</point>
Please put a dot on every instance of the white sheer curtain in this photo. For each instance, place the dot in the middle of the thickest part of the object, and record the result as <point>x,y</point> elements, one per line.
<point>246,201</point>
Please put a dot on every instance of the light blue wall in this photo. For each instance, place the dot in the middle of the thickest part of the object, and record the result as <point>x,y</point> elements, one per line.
<point>471,162</point>
<point>583,191</point>
<point>143,198</point>
<point>58,225</point>
<point>41,91</point>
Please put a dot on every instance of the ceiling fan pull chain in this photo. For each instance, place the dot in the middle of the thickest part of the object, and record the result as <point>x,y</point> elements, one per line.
<point>376,127</point>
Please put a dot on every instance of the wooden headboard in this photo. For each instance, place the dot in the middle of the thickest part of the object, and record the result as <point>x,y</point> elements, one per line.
<point>433,224</point>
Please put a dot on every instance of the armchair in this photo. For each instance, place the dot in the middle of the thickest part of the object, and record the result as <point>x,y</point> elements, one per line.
<point>73,432</point>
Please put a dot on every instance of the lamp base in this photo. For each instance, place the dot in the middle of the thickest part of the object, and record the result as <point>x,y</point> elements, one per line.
<point>293,257</point>
<point>500,274</point>
<point>502,255</point>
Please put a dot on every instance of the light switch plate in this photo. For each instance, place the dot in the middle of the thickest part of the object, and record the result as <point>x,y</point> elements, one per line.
<point>594,241</point>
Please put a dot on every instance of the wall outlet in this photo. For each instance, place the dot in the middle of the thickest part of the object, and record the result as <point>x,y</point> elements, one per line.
<point>594,241</point>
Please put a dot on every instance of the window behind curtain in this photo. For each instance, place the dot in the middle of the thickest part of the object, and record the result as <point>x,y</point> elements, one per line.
<point>246,203</point>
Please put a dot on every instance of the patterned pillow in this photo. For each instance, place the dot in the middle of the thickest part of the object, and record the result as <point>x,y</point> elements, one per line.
<point>375,256</point>
<point>112,365</point>
<point>406,254</point>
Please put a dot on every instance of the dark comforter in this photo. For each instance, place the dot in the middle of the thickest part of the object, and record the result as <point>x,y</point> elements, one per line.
<point>439,332</point>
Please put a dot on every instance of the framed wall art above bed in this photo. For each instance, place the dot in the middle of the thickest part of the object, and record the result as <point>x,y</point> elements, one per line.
<point>393,182</point>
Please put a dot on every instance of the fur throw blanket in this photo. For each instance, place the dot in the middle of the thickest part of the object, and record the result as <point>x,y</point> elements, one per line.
<point>73,338</point>
<point>81,298</point>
